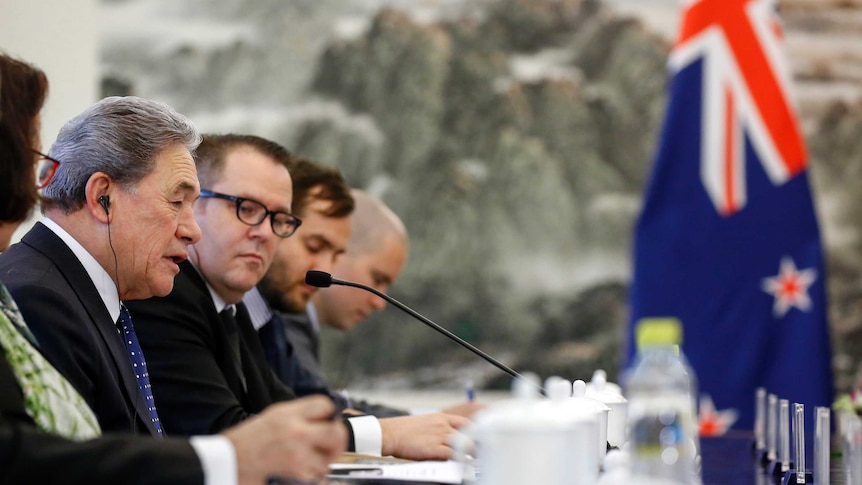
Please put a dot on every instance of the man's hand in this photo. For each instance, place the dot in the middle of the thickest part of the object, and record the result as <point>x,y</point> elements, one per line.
<point>422,437</point>
<point>296,439</point>
<point>466,409</point>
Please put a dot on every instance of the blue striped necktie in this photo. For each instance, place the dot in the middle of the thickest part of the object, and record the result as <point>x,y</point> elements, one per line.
<point>139,366</point>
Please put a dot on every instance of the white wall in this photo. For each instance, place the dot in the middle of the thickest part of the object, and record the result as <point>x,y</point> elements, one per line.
<point>60,37</point>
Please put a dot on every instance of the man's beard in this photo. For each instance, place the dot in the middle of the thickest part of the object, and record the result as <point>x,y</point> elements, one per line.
<point>279,299</point>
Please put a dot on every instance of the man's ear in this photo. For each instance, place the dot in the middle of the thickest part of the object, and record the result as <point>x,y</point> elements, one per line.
<point>98,196</point>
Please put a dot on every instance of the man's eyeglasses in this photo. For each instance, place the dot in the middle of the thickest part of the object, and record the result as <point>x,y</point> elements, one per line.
<point>252,212</point>
<point>45,168</point>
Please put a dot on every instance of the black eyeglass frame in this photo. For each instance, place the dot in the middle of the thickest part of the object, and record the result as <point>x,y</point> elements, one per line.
<point>51,159</point>
<point>292,221</point>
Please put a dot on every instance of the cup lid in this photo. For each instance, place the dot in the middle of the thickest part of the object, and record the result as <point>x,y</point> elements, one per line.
<point>579,398</point>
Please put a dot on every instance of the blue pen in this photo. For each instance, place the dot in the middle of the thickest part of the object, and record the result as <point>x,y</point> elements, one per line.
<point>471,393</point>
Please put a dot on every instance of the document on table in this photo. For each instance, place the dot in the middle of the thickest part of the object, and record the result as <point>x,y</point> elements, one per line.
<point>449,472</point>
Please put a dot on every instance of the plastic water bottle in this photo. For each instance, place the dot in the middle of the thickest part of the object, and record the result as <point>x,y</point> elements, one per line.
<point>660,387</point>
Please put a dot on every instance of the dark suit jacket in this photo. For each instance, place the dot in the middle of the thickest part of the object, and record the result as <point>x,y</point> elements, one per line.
<point>28,455</point>
<point>287,367</point>
<point>197,387</point>
<point>75,332</point>
<point>282,353</point>
<point>305,340</point>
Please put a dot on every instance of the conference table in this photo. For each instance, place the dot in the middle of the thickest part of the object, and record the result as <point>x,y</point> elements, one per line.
<point>726,460</point>
<point>729,460</point>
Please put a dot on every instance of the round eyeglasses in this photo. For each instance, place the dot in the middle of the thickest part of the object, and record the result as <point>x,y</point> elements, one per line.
<point>252,212</point>
<point>45,168</point>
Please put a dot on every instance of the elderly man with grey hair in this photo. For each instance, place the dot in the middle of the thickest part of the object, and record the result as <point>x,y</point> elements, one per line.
<point>118,223</point>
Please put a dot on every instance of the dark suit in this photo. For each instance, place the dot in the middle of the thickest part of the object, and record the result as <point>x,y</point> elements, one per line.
<point>282,359</point>
<point>197,387</point>
<point>28,455</point>
<point>277,338</point>
<point>63,309</point>
<point>305,340</point>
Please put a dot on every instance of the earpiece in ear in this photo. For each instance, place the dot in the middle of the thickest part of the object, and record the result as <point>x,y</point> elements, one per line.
<point>105,200</point>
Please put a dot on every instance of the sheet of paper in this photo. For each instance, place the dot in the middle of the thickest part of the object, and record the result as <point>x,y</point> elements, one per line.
<point>420,471</point>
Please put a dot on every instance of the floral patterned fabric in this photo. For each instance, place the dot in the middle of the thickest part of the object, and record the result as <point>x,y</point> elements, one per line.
<point>55,406</point>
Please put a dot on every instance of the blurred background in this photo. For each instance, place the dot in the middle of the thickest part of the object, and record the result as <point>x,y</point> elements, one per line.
<point>513,137</point>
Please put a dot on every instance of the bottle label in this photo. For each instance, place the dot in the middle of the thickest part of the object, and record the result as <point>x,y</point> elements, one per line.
<point>661,435</point>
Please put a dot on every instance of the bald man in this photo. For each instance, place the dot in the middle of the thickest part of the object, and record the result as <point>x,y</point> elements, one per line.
<point>369,247</point>
<point>376,252</point>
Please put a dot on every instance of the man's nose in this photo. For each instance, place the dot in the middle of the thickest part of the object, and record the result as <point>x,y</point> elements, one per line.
<point>262,230</point>
<point>188,229</point>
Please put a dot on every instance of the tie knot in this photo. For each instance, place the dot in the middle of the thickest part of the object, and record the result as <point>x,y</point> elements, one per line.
<point>227,317</point>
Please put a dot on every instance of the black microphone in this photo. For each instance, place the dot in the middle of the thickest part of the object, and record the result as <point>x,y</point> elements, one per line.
<point>320,279</point>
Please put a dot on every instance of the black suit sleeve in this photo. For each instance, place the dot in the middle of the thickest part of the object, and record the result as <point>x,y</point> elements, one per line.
<point>28,455</point>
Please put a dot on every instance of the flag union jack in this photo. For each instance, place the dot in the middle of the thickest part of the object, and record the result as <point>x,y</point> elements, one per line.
<point>745,91</point>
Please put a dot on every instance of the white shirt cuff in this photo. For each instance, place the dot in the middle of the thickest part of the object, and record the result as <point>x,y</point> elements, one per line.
<point>367,435</point>
<point>218,459</point>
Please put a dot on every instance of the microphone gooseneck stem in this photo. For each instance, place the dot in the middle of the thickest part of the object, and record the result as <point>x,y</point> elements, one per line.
<point>433,325</point>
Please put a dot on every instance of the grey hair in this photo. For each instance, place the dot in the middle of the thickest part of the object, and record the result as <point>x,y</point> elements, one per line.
<point>119,136</point>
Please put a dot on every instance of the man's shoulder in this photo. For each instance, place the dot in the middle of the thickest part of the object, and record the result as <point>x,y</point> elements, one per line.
<point>22,263</point>
<point>294,319</point>
<point>299,329</point>
<point>39,255</point>
<point>21,256</point>
<point>25,270</point>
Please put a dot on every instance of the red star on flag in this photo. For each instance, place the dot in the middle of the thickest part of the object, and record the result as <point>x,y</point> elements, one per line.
<point>712,422</point>
<point>790,287</point>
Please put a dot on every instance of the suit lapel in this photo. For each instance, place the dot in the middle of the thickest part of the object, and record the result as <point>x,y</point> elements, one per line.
<point>43,240</point>
<point>232,370</point>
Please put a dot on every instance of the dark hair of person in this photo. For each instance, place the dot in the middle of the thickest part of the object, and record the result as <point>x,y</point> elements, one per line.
<point>211,153</point>
<point>23,89</point>
<point>313,181</point>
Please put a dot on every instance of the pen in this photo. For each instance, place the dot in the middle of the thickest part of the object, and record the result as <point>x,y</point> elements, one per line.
<point>471,393</point>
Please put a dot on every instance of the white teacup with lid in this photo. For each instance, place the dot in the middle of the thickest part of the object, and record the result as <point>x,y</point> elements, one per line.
<point>585,457</point>
<point>579,389</point>
<point>611,395</point>
<point>529,440</point>
<point>600,376</point>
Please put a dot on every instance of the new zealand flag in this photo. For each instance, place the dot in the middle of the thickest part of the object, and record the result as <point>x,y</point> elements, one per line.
<point>728,240</point>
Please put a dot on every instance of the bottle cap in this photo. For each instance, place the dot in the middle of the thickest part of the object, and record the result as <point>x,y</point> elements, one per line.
<point>658,331</point>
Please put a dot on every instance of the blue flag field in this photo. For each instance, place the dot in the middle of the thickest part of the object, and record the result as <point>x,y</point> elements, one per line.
<point>728,240</point>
